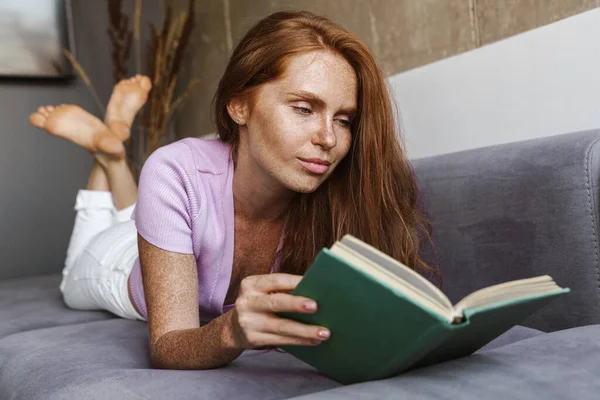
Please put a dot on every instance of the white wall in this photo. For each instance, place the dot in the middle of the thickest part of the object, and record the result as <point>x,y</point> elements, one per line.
<point>539,83</point>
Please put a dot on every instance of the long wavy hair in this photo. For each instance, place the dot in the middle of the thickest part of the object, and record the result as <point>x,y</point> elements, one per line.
<point>373,193</point>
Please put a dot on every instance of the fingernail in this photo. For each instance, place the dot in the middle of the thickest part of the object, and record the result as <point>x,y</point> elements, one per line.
<point>324,333</point>
<point>310,305</point>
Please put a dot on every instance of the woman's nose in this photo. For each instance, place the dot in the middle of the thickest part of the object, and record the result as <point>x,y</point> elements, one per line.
<point>325,135</point>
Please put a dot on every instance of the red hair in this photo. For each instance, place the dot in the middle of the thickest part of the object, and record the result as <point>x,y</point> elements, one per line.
<point>373,193</point>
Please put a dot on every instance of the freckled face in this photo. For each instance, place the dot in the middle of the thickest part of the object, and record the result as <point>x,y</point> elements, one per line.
<point>299,129</point>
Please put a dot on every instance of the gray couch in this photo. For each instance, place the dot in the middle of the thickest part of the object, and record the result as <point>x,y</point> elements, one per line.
<point>500,213</point>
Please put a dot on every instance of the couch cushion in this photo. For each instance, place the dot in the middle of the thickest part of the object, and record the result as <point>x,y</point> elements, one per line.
<point>513,335</point>
<point>109,359</point>
<point>557,365</point>
<point>519,210</point>
<point>33,303</point>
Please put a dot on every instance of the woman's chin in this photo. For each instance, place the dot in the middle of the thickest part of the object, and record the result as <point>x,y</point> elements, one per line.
<point>305,185</point>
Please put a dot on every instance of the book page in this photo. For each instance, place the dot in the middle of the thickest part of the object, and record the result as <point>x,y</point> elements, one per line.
<point>362,263</point>
<point>508,291</point>
<point>397,268</point>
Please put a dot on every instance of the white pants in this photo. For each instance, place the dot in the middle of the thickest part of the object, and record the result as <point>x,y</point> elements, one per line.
<point>101,253</point>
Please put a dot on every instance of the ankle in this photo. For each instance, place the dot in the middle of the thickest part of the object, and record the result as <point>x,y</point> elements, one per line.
<point>98,179</point>
<point>120,129</point>
<point>108,162</point>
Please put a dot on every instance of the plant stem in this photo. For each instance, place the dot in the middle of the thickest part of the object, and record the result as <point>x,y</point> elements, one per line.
<point>85,79</point>
<point>136,33</point>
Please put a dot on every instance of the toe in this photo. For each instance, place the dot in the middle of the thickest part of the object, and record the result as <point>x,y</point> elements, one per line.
<point>145,83</point>
<point>37,120</point>
<point>49,109</point>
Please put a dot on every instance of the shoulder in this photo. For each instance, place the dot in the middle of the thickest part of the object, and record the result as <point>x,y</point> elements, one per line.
<point>193,154</point>
<point>210,155</point>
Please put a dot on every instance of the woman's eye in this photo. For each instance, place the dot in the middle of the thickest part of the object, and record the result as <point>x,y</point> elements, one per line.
<point>303,110</point>
<point>345,123</point>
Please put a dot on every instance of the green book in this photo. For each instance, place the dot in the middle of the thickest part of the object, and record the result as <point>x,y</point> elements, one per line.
<point>385,318</point>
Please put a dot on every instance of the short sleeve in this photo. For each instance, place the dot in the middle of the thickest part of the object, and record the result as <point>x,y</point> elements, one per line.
<point>167,200</point>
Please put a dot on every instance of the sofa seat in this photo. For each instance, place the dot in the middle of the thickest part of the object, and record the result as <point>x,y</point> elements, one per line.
<point>36,302</point>
<point>558,365</point>
<point>499,213</point>
<point>109,359</point>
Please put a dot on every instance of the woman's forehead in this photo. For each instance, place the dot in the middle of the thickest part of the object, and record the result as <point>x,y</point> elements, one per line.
<point>323,74</point>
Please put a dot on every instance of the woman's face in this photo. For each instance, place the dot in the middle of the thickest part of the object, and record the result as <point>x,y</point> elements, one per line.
<point>299,128</point>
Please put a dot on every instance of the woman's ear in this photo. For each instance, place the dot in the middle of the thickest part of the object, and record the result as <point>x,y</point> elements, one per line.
<point>238,111</point>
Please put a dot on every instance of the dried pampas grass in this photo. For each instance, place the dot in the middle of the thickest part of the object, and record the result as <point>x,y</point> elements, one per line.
<point>165,50</point>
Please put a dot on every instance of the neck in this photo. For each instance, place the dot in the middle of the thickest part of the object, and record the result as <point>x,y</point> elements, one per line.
<point>257,196</point>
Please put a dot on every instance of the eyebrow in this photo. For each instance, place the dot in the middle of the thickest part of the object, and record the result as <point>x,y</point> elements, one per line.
<point>303,94</point>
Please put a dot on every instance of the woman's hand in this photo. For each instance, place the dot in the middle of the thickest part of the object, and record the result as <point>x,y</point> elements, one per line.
<point>254,320</point>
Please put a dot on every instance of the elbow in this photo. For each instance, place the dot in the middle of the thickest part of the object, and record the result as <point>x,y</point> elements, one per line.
<point>161,361</point>
<point>161,357</point>
<point>157,361</point>
<point>185,350</point>
<point>164,354</point>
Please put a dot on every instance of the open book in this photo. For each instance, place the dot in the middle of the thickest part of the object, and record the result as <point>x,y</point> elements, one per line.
<point>385,318</point>
<point>398,276</point>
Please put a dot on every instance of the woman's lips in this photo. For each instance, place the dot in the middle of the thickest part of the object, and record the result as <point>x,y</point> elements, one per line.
<point>314,167</point>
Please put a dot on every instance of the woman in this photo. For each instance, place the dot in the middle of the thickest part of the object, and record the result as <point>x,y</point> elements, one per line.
<point>307,152</point>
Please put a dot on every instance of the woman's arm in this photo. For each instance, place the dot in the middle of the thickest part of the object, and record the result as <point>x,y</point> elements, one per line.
<point>176,339</point>
<point>206,347</point>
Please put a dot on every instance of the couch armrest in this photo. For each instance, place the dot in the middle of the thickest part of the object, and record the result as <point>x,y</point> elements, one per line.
<point>519,210</point>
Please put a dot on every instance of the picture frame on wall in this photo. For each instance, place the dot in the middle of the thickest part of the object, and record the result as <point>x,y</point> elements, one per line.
<point>34,35</point>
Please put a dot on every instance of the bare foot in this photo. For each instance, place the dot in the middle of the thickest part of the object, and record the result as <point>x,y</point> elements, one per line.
<point>128,96</point>
<point>73,123</point>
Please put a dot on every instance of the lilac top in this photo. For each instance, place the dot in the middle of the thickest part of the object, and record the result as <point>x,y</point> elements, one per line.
<point>185,205</point>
